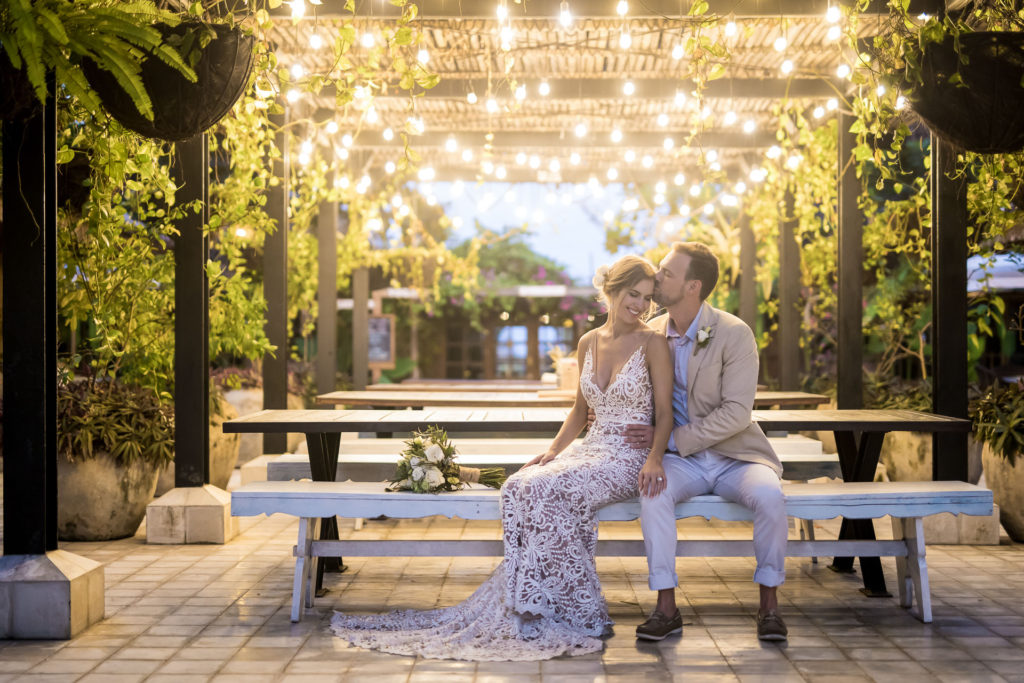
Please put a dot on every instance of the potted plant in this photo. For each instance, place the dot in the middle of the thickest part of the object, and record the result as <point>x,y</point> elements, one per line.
<point>998,417</point>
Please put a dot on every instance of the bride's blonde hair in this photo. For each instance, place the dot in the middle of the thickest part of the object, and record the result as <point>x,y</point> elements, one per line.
<point>621,275</point>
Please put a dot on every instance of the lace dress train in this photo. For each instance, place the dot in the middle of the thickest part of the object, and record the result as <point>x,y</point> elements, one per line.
<point>544,599</point>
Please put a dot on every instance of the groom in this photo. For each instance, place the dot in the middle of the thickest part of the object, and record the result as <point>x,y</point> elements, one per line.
<point>714,446</point>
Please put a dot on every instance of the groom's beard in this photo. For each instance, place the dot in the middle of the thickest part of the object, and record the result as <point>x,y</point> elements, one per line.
<point>664,301</point>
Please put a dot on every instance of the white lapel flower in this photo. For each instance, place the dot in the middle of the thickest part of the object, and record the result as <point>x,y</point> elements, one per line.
<point>703,337</point>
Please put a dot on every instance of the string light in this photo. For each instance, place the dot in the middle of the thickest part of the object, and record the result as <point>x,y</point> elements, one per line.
<point>711,156</point>
<point>298,9</point>
<point>730,28</point>
<point>581,129</point>
<point>554,166</point>
<point>622,8</point>
<point>787,66</point>
<point>668,143</point>
<point>613,174</point>
<point>297,72</point>
<point>332,127</point>
<point>521,159</point>
<point>502,11</point>
<point>659,199</point>
<point>388,134</point>
<point>694,190</point>
<point>450,145</point>
<point>487,166</point>
<point>758,174</point>
<point>616,135</point>
<point>780,44</point>
<point>680,98</point>
<point>708,209</point>
<point>819,111</point>
<point>678,51</point>
<point>729,118</point>
<point>660,187</point>
<point>832,15</point>
<point>293,95</point>
<point>492,105</point>
<point>506,36</point>
<point>793,162</point>
<point>740,187</point>
<point>389,167</point>
<point>544,89</point>
<point>684,209</point>
<point>471,97</point>
<point>901,103</point>
<point>749,126</point>
<point>628,88</point>
<point>774,152</point>
<point>832,104</point>
<point>575,159</point>
<point>500,173</point>
<point>415,125</point>
<point>662,119</point>
<point>880,90</point>
<point>422,56</point>
<point>843,71</point>
<point>534,162</point>
<point>367,40</point>
<point>467,155</point>
<point>679,179</point>
<point>521,92</point>
<point>833,34</point>
<point>629,156</point>
<point>564,15</point>
<point>346,140</point>
<point>625,40</point>
<point>315,41</point>
<point>647,161</point>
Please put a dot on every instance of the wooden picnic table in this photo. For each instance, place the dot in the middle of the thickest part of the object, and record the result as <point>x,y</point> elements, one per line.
<point>858,433</point>
<point>533,399</point>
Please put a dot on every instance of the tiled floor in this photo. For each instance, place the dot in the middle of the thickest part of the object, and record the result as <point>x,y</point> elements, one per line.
<point>220,613</point>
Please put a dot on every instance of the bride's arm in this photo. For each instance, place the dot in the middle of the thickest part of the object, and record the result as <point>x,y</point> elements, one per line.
<point>574,422</point>
<point>659,358</point>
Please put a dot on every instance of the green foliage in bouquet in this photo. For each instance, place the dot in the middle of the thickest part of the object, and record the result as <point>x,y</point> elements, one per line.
<point>427,465</point>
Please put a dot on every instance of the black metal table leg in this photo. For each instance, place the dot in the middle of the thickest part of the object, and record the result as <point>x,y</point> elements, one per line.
<point>858,459</point>
<point>323,465</point>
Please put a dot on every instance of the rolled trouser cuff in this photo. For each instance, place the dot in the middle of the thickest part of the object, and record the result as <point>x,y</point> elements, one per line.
<point>769,577</point>
<point>662,580</point>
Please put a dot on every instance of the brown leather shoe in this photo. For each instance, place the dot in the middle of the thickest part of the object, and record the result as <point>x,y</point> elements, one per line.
<point>770,626</point>
<point>659,627</point>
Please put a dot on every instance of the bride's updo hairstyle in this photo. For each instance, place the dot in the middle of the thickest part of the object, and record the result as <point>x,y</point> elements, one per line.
<point>620,276</point>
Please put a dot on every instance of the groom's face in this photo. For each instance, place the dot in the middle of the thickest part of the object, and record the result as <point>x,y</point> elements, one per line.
<point>670,283</point>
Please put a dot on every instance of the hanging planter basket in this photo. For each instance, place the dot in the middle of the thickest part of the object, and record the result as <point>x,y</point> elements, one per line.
<point>181,109</point>
<point>986,113</point>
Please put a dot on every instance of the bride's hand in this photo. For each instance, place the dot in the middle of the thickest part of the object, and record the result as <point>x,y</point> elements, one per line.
<point>542,459</point>
<point>652,479</point>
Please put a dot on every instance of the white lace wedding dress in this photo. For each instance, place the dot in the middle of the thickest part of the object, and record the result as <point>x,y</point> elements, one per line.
<point>545,599</point>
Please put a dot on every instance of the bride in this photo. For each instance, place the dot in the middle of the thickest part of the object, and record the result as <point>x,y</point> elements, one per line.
<point>545,599</point>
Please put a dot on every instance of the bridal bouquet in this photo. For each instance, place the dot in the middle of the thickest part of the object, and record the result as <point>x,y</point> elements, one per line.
<point>427,465</point>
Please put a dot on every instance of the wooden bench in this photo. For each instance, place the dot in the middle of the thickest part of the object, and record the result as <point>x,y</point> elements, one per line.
<point>374,459</point>
<point>906,502</point>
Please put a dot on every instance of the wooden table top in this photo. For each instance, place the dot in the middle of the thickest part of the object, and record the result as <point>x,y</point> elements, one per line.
<point>465,386</point>
<point>508,399</point>
<point>550,419</point>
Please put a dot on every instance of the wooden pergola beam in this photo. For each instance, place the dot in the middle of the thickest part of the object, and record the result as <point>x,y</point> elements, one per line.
<point>528,140</point>
<point>587,9</point>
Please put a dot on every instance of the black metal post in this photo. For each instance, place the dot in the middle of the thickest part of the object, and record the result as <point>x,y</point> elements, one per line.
<point>748,274</point>
<point>949,309</point>
<point>327,297</point>
<point>789,294</point>
<point>30,331</point>
<point>275,289</point>
<point>192,319</point>
<point>850,313</point>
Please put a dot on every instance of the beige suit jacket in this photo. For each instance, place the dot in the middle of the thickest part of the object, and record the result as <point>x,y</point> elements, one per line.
<point>722,379</point>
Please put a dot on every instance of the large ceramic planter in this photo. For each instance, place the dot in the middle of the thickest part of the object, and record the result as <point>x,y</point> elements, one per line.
<point>907,456</point>
<point>223,453</point>
<point>1007,484</point>
<point>100,499</point>
<point>182,110</point>
<point>986,113</point>
<point>248,401</point>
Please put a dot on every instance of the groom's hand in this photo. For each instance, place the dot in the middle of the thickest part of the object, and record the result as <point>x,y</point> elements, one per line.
<point>639,436</point>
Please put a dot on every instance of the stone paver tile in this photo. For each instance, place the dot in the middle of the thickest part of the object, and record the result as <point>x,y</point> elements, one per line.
<point>160,653</point>
<point>112,678</point>
<point>815,653</point>
<point>311,678</point>
<point>511,678</point>
<point>440,677</point>
<point>178,678</point>
<point>508,668</point>
<point>63,666</point>
<point>128,666</point>
<point>930,654</point>
<point>190,666</point>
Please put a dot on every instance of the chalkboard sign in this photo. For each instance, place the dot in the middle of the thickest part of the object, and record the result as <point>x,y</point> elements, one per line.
<point>382,342</point>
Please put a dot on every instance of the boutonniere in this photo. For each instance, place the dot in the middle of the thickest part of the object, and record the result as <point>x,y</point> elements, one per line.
<point>703,337</point>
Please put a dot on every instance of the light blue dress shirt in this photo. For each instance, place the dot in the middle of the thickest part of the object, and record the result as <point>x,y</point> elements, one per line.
<point>682,351</point>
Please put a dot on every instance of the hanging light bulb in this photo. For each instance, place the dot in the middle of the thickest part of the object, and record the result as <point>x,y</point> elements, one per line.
<point>451,145</point>
<point>629,156</point>
<point>554,166</point>
<point>695,190</point>
<point>367,40</point>
<point>575,159</point>
<point>346,140</point>
<point>616,135</point>
<point>774,152</point>
<point>500,173</point>
<point>297,72</point>
<point>534,161</point>
<point>729,118</point>
<point>564,15</point>
<point>544,89</point>
<point>843,71</point>
<point>680,98</point>
<point>684,209</point>
<point>880,90</point>
<point>679,179</point>
<point>834,32</point>
<point>678,51</point>
<point>492,105</point>
<point>708,209</point>
<point>780,44</point>
<point>711,156</point>
<point>332,127</point>
<point>613,174</point>
<point>415,125</point>
<point>488,168</point>
<point>625,40</point>
<point>628,88</point>
<point>832,15</point>
<point>467,155</point>
<point>293,95</point>
<point>471,97</point>
<point>647,161</point>
<point>818,112</point>
<point>668,143</point>
<point>521,159</point>
<point>749,126</point>
<point>901,103</point>
<point>740,187</point>
<point>316,42</point>
<point>298,9</point>
<point>426,174</point>
<point>521,92</point>
<point>787,66</point>
<point>388,134</point>
<point>730,28</point>
<point>389,167</point>
<point>660,187</point>
<point>506,35</point>
<point>832,104</point>
<point>422,56</point>
<point>622,8</point>
<point>662,119</point>
<point>581,129</point>
<point>502,11</point>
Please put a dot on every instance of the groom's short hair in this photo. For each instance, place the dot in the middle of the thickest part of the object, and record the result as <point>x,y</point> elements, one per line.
<point>703,265</point>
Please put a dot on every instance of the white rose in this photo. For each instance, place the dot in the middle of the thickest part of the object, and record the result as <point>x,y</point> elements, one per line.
<point>433,476</point>
<point>417,473</point>
<point>404,484</point>
<point>702,336</point>
<point>434,454</point>
<point>415,461</point>
<point>418,441</point>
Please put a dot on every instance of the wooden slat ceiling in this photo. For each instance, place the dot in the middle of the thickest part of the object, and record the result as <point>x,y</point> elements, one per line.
<point>586,70</point>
